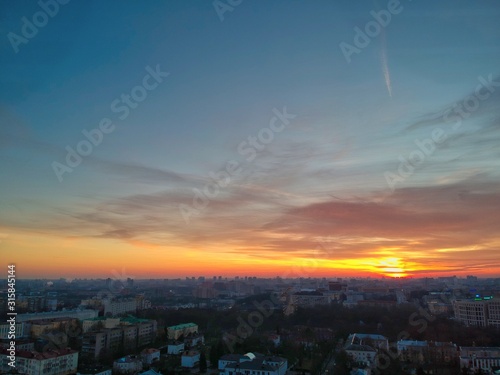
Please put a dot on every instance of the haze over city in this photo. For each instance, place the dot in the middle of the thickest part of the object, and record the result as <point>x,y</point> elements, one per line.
<point>295,139</point>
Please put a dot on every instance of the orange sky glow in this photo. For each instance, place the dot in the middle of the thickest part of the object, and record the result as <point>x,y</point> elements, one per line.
<point>48,256</point>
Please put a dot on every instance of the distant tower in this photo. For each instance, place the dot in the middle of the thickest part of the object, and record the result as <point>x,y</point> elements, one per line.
<point>130,282</point>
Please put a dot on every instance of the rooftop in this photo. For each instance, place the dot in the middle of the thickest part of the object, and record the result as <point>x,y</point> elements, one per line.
<point>40,355</point>
<point>412,343</point>
<point>367,336</point>
<point>360,348</point>
<point>128,319</point>
<point>149,351</point>
<point>183,326</point>
<point>253,361</point>
<point>128,359</point>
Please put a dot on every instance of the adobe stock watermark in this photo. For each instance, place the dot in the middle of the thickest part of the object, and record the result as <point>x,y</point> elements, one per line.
<point>222,178</point>
<point>427,146</point>
<point>266,308</point>
<point>254,320</point>
<point>421,319</point>
<point>121,106</point>
<point>372,29</point>
<point>224,6</point>
<point>40,19</point>
<point>59,340</point>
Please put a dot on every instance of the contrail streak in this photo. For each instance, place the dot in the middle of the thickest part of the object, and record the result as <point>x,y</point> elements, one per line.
<point>385,66</point>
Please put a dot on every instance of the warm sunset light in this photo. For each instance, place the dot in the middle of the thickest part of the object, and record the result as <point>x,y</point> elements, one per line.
<point>170,139</point>
<point>392,267</point>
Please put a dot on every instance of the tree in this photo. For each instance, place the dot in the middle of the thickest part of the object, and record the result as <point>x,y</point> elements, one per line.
<point>203,362</point>
<point>341,363</point>
<point>216,351</point>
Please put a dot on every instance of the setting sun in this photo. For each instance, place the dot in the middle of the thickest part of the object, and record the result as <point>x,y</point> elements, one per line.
<point>392,267</point>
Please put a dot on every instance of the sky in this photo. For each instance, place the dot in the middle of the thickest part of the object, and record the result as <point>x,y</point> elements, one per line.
<point>295,138</point>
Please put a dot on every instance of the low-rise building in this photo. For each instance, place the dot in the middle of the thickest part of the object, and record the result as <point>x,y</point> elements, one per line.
<point>194,339</point>
<point>6,330</point>
<point>129,364</point>
<point>254,364</point>
<point>80,314</point>
<point>174,332</point>
<point>373,340</point>
<point>39,327</point>
<point>51,362</point>
<point>99,322</point>
<point>150,355</point>
<point>412,351</point>
<point>94,370</point>
<point>175,347</point>
<point>442,352</point>
<point>475,358</point>
<point>21,344</point>
<point>190,358</point>
<point>150,372</point>
<point>361,354</point>
<point>309,299</point>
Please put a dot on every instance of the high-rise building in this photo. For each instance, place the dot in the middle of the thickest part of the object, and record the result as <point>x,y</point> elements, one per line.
<point>107,336</point>
<point>480,312</point>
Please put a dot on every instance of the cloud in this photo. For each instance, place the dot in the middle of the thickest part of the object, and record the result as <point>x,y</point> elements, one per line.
<point>486,109</point>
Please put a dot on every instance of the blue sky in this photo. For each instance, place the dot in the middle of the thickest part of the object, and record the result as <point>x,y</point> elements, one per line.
<point>225,80</point>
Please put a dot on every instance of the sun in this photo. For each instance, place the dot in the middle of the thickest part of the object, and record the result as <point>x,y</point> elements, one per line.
<point>392,267</point>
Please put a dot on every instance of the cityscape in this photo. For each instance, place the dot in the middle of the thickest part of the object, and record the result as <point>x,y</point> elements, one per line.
<point>220,325</point>
<point>242,187</point>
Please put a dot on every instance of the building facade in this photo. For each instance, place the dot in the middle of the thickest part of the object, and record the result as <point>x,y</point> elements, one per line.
<point>484,358</point>
<point>128,334</point>
<point>361,354</point>
<point>252,364</point>
<point>175,347</point>
<point>5,329</point>
<point>129,364</point>
<point>52,362</point>
<point>373,340</point>
<point>79,314</point>
<point>150,355</point>
<point>174,332</point>
<point>190,358</point>
<point>119,306</point>
<point>477,313</point>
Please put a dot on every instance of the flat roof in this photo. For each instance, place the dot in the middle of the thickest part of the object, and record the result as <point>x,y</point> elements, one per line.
<point>182,326</point>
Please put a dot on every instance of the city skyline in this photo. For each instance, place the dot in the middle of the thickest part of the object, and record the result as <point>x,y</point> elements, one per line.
<point>172,139</point>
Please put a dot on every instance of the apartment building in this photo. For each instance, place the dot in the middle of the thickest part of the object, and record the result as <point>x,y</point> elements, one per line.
<point>309,298</point>
<point>109,335</point>
<point>79,314</point>
<point>52,362</point>
<point>174,332</point>
<point>39,327</point>
<point>120,306</point>
<point>361,354</point>
<point>478,312</point>
<point>5,330</point>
